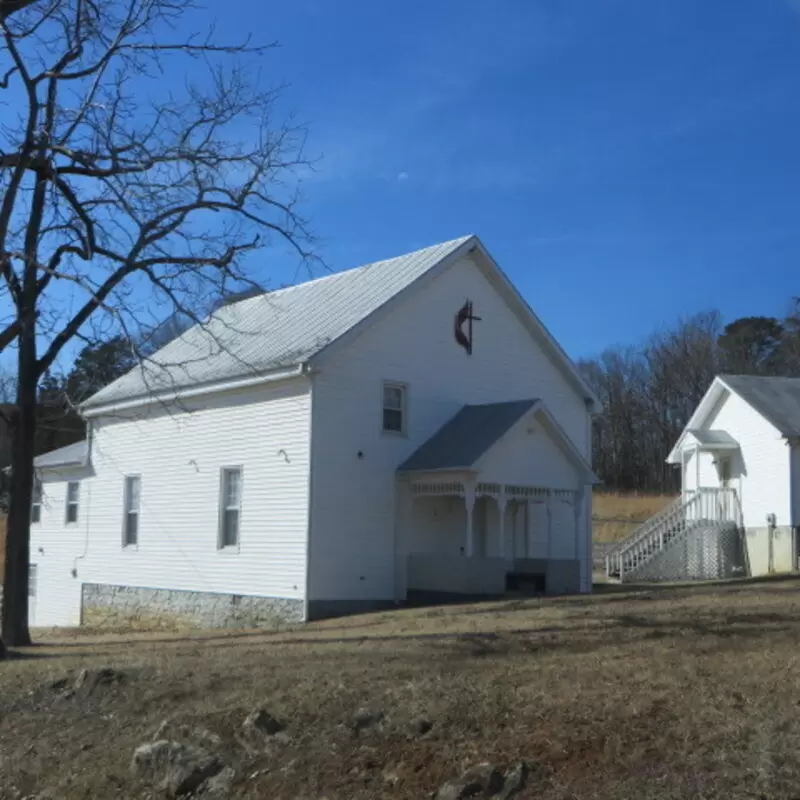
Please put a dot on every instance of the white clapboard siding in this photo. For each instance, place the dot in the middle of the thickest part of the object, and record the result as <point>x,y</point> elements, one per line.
<point>353,496</point>
<point>178,455</point>
<point>55,551</point>
<point>528,450</point>
<point>764,482</point>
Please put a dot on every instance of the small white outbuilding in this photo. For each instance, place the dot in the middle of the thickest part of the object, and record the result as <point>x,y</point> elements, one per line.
<point>739,508</point>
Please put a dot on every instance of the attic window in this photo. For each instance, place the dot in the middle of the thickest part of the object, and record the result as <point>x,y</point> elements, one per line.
<point>394,408</point>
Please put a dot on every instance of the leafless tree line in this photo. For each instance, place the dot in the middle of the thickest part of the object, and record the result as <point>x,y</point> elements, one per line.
<point>650,391</point>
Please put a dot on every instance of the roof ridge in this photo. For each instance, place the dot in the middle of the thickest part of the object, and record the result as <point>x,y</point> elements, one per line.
<point>350,270</point>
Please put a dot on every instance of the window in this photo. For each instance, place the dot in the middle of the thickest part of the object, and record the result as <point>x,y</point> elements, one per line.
<point>36,501</point>
<point>130,522</point>
<point>230,507</point>
<point>394,407</point>
<point>73,493</point>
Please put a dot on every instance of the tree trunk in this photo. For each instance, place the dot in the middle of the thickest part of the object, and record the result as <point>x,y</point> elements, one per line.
<point>23,433</point>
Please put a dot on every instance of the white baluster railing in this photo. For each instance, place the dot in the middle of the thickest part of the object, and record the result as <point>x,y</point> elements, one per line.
<point>709,506</point>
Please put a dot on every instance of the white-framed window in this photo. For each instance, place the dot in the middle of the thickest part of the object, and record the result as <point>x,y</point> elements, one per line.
<point>130,519</point>
<point>394,407</point>
<point>73,498</point>
<point>230,507</point>
<point>36,500</point>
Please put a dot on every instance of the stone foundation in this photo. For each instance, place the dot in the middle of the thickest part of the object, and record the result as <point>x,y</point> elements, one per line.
<point>104,606</point>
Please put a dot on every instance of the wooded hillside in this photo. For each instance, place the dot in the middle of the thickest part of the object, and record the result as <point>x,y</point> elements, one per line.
<point>650,391</point>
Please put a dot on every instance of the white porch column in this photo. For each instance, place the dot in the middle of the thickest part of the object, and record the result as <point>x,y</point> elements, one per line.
<point>469,504</point>
<point>578,510</point>
<point>529,528</point>
<point>501,525</point>
<point>549,508</point>
<point>697,468</point>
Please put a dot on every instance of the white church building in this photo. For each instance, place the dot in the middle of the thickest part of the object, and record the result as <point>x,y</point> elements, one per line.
<point>405,428</point>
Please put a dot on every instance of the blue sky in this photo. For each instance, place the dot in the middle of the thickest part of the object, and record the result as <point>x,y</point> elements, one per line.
<point>626,161</point>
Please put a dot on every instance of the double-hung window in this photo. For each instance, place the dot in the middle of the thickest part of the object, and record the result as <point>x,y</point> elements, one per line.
<point>230,511</point>
<point>36,501</point>
<point>394,408</point>
<point>73,497</point>
<point>130,521</point>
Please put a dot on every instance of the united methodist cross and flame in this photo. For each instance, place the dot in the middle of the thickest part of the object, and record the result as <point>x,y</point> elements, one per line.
<point>464,338</point>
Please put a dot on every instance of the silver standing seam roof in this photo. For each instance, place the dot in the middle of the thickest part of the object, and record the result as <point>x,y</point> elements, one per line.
<point>463,439</point>
<point>776,399</point>
<point>274,330</point>
<point>73,455</point>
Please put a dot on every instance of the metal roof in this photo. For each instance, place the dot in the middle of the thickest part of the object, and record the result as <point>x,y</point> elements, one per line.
<point>73,455</point>
<point>275,330</point>
<point>713,438</point>
<point>776,399</point>
<point>461,441</point>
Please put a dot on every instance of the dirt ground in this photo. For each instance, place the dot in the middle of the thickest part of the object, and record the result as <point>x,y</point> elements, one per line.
<point>674,692</point>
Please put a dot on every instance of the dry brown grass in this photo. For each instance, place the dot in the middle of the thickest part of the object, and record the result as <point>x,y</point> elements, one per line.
<point>678,692</point>
<point>615,516</point>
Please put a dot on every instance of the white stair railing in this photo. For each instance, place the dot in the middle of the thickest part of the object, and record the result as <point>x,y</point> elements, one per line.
<point>705,506</point>
<point>642,532</point>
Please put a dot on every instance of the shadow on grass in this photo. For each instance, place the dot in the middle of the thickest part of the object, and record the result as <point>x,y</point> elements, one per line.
<point>586,633</point>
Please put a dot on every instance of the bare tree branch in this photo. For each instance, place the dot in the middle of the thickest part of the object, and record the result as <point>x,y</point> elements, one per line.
<point>117,193</point>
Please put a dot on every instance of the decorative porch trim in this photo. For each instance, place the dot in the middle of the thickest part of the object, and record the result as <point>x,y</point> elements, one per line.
<point>434,489</point>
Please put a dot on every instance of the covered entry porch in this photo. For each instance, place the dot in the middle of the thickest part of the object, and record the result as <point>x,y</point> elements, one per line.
<point>498,499</point>
<point>476,538</point>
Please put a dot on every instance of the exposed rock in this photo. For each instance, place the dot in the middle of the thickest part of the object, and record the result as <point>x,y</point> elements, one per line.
<point>175,768</point>
<point>515,780</point>
<point>263,722</point>
<point>366,718</point>
<point>419,726</point>
<point>219,787</point>
<point>58,684</point>
<point>89,679</point>
<point>151,757</point>
<point>175,731</point>
<point>485,780</point>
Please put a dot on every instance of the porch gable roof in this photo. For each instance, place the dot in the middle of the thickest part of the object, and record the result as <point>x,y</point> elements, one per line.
<point>713,439</point>
<point>475,429</point>
<point>464,438</point>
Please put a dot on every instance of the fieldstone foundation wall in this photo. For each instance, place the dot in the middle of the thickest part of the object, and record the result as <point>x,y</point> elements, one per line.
<point>104,605</point>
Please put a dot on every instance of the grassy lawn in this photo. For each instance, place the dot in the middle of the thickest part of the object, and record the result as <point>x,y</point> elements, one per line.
<point>676,692</point>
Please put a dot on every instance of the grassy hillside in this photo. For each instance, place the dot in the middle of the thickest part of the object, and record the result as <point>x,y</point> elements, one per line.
<point>614,516</point>
<point>668,693</point>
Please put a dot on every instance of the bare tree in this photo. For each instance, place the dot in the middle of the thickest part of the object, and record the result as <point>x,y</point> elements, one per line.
<point>117,192</point>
